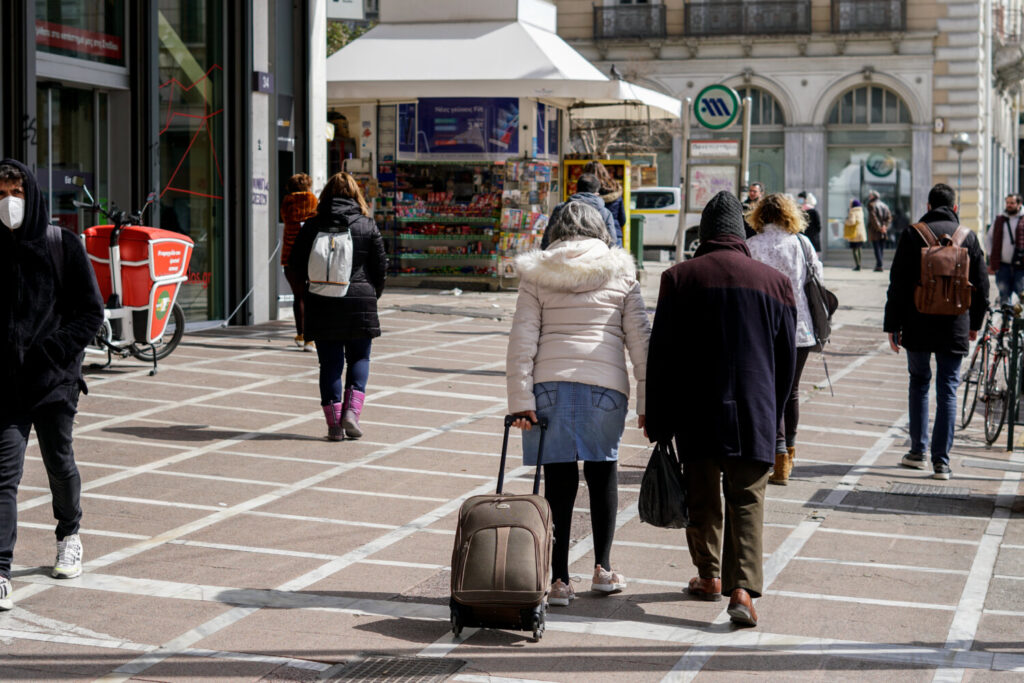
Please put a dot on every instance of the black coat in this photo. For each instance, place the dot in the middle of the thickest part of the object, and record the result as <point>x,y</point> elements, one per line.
<point>46,326</point>
<point>722,354</point>
<point>353,316</point>
<point>920,332</point>
<point>813,230</point>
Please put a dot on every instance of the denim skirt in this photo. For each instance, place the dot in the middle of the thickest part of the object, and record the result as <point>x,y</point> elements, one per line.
<point>585,422</point>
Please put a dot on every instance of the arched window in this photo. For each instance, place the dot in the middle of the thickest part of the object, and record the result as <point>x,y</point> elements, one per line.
<point>868,105</point>
<point>869,141</point>
<point>767,139</point>
<point>764,109</point>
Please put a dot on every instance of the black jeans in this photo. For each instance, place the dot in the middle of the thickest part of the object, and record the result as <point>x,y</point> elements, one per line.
<point>786,435</point>
<point>53,425</point>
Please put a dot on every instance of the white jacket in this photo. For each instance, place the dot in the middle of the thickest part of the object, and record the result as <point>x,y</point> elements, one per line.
<point>788,254</point>
<point>579,308</point>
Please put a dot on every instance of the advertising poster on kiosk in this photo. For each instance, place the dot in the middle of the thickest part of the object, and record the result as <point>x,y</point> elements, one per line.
<point>468,125</point>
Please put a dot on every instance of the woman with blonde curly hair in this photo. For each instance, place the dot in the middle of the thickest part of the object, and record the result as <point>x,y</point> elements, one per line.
<point>779,222</point>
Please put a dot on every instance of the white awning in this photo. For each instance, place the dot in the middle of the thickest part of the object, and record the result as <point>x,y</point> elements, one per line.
<point>402,62</point>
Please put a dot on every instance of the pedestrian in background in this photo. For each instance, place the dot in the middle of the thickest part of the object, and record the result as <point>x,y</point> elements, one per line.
<point>853,230</point>
<point>51,309</point>
<point>579,309</point>
<point>719,371</point>
<point>947,337</point>
<point>343,327</point>
<point>587,189</point>
<point>1004,243</point>
<point>298,206</point>
<point>611,195</point>
<point>778,243</point>
<point>809,205</point>
<point>879,220</point>
<point>754,194</point>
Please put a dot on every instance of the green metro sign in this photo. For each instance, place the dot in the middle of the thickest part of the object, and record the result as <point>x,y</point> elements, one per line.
<point>716,107</point>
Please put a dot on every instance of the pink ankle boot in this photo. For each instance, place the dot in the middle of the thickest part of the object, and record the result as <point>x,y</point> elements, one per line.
<point>332,413</point>
<point>350,416</point>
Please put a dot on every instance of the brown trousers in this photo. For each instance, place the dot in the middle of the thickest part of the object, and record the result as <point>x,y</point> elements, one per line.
<point>738,561</point>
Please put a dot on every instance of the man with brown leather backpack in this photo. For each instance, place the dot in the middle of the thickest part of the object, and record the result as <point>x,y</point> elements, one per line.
<point>933,309</point>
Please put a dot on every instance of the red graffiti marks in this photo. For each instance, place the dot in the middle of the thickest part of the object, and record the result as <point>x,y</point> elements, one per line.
<point>192,103</point>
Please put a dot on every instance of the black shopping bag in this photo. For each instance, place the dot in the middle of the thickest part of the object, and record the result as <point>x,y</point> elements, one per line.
<point>662,496</point>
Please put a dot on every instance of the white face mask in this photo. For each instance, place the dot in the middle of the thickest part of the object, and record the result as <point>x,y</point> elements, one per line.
<point>12,211</point>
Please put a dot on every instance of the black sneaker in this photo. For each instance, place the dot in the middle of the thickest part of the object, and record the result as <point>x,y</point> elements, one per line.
<point>941,471</point>
<point>914,460</point>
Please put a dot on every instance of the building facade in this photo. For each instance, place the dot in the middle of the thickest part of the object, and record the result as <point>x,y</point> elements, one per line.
<point>212,104</point>
<point>847,95</point>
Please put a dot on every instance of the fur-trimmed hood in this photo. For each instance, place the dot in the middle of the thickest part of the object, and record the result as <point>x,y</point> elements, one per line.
<point>609,196</point>
<point>575,265</point>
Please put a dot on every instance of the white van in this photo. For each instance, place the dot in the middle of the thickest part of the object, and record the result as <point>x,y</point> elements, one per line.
<point>660,206</point>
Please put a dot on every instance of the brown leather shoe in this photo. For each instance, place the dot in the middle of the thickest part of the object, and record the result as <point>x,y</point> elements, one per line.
<point>741,608</point>
<point>705,589</point>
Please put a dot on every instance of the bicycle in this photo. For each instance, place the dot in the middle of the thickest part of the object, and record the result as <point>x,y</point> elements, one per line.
<point>140,286</point>
<point>978,367</point>
<point>997,377</point>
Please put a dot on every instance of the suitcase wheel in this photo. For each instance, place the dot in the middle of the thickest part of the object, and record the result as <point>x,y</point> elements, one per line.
<point>538,626</point>
<point>456,623</point>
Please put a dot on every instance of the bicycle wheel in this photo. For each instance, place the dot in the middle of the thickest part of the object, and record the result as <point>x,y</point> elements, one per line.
<point>996,395</point>
<point>173,333</point>
<point>972,380</point>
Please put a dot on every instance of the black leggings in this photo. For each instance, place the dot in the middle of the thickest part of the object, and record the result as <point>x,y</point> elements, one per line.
<point>786,436</point>
<point>561,480</point>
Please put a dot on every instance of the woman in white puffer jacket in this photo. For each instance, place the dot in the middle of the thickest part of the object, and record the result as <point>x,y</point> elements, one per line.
<point>579,310</point>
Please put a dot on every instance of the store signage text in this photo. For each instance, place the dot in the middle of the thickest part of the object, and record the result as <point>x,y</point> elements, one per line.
<point>714,149</point>
<point>260,192</point>
<point>77,40</point>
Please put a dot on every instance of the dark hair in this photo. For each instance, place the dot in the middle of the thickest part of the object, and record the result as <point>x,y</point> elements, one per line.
<point>11,174</point>
<point>345,186</point>
<point>941,195</point>
<point>300,182</point>
<point>1016,197</point>
<point>755,184</point>
<point>608,183</point>
<point>588,182</point>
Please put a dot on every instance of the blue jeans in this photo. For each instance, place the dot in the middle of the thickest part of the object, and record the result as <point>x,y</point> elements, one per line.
<point>332,355</point>
<point>947,367</point>
<point>1009,281</point>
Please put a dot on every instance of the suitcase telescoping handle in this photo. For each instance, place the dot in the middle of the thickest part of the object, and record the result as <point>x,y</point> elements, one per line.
<point>509,419</point>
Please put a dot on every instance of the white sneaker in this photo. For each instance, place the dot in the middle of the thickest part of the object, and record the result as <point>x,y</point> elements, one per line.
<point>561,594</point>
<point>5,594</point>
<point>606,581</point>
<point>68,564</point>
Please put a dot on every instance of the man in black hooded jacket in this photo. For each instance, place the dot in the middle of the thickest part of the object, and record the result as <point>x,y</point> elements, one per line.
<point>947,337</point>
<point>720,367</point>
<point>50,309</point>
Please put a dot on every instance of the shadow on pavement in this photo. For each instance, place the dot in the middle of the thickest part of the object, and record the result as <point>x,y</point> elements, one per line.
<point>450,371</point>
<point>200,433</point>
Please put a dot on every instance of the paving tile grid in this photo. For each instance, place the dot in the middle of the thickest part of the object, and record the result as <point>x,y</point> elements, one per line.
<point>226,539</point>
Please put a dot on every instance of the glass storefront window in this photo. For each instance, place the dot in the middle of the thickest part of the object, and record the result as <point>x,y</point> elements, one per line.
<point>191,144</point>
<point>72,141</point>
<point>855,171</point>
<point>84,29</point>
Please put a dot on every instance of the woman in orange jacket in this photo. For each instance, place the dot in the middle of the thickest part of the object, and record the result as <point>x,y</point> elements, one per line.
<point>296,207</point>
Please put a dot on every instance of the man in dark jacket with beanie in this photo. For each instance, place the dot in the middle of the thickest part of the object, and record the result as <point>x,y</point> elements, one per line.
<point>948,337</point>
<point>587,188</point>
<point>719,370</point>
<point>50,309</point>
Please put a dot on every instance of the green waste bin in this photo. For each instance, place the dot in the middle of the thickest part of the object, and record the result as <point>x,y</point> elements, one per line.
<point>636,238</point>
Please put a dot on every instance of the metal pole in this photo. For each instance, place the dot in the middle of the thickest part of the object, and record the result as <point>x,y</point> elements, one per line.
<point>1013,388</point>
<point>683,158</point>
<point>959,175</point>
<point>745,168</point>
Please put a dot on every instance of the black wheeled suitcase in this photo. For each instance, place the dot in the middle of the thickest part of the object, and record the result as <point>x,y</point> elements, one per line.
<point>501,563</point>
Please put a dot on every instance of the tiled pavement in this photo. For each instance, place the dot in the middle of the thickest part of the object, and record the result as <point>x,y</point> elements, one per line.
<point>226,540</point>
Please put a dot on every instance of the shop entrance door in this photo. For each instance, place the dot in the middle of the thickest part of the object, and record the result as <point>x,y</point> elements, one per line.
<point>72,141</point>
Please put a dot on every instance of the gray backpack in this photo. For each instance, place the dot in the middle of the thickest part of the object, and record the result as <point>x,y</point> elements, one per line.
<point>330,263</point>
